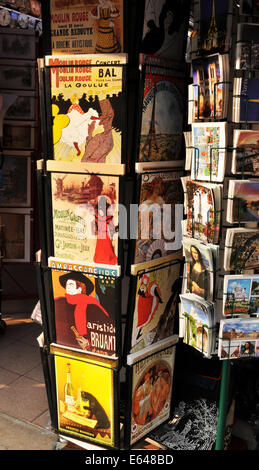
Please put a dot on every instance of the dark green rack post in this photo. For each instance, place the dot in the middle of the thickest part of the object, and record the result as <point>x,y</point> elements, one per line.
<point>223,404</point>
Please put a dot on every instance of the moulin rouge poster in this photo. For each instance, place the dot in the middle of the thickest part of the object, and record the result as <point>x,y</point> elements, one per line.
<point>85,217</point>
<point>87,107</point>
<point>92,26</point>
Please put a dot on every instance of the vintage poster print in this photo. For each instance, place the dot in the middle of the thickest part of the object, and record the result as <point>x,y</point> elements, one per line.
<point>164,28</point>
<point>85,306</point>
<point>16,235</point>
<point>87,107</point>
<point>158,192</point>
<point>85,217</point>
<point>245,152</point>
<point>162,116</point>
<point>152,380</point>
<point>156,300</point>
<point>92,26</point>
<point>85,396</point>
<point>16,174</point>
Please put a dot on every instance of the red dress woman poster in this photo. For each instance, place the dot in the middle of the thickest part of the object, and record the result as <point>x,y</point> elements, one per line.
<point>104,251</point>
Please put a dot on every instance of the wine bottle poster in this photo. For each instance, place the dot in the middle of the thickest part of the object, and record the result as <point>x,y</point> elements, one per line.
<point>85,396</point>
<point>160,193</point>
<point>156,299</point>
<point>162,116</point>
<point>151,391</point>
<point>85,306</point>
<point>95,26</point>
<point>87,107</point>
<point>85,217</point>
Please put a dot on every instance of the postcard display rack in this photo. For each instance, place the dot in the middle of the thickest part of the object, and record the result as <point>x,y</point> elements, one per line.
<point>218,311</point>
<point>110,143</point>
<point>20,27</point>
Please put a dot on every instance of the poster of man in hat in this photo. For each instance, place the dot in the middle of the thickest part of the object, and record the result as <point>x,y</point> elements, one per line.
<point>80,319</point>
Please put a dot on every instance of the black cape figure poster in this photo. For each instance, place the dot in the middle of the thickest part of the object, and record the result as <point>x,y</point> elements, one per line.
<point>164,28</point>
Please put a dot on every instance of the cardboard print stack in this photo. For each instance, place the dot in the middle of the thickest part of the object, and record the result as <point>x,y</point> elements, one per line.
<point>221,193</point>
<point>90,169</point>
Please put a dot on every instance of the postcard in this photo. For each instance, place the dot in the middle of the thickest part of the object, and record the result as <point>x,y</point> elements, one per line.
<point>150,385</point>
<point>215,22</point>
<point>238,338</point>
<point>161,130</point>
<point>160,193</point>
<point>87,105</point>
<point>15,75</point>
<point>164,28</point>
<point>210,87</point>
<point>156,291</point>
<point>241,295</point>
<point>241,249</point>
<point>243,201</point>
<point>17,44</point>
<point>85,217</point>
<point>94,27</point>
<point>199,268</point>
<point>24,106</point>
<point>199,320</point>
<point>245,100</point>
<point>203,208</point>
<point>245,152</point>
<point>85,306</point>
<point>247,48</point>
<point>209,151</point>
<point>85,389</point>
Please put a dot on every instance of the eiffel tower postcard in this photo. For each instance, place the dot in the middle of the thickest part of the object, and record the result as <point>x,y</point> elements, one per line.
<point>160,139</point>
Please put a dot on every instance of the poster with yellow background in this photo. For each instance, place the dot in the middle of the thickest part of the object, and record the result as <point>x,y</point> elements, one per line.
<point>85,396</point>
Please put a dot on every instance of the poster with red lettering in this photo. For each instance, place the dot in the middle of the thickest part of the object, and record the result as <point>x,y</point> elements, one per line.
<point>85,306</point>
<point>87,104</point>
<point>92,26</point>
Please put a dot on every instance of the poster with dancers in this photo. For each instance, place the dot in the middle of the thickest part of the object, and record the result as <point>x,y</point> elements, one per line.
<point>86,306</point>
<point>87,107</point>
<point>150,389</point>
<point>156,287</point>
<point>91,27</point>
<point>84,217</point>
